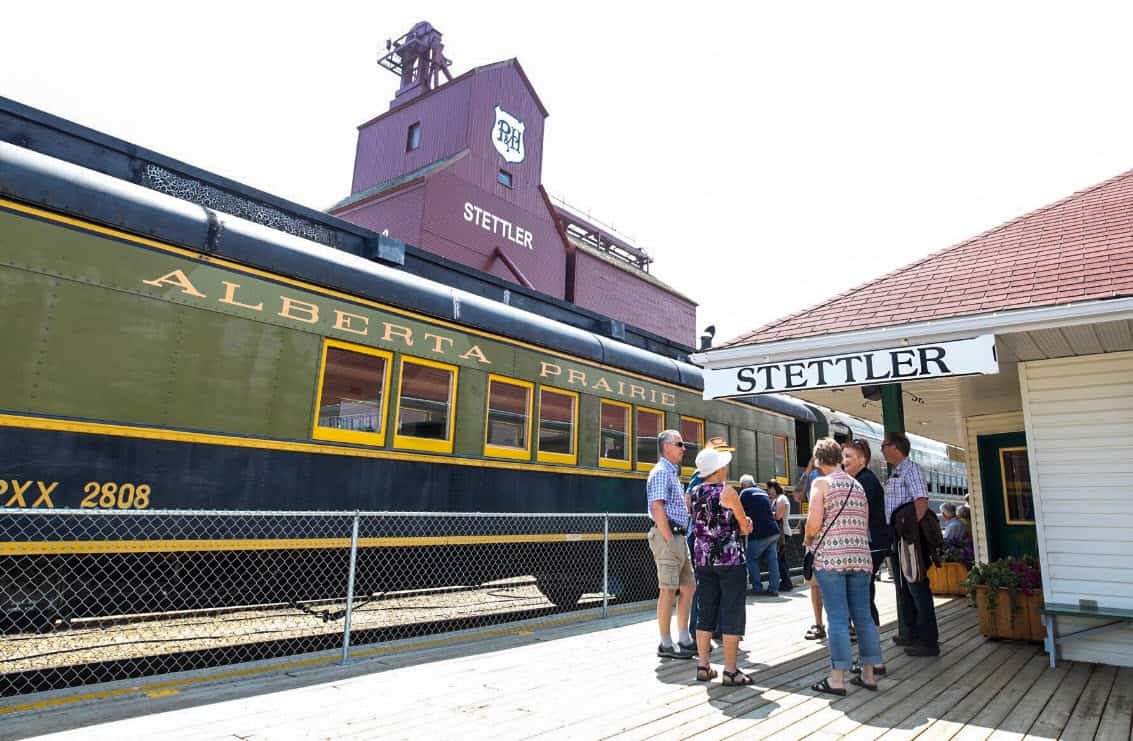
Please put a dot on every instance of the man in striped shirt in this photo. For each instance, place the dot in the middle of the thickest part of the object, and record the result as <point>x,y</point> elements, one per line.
<point>667,506</point>
<point>916,614</point>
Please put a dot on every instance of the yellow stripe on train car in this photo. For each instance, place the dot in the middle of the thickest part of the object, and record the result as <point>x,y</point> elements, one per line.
<point>86,547</point>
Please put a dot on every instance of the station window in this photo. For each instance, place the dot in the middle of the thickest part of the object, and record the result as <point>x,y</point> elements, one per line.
<point>558,441</point>
<point>779,447</point>
<point>353,384</point>
<point>649,423</point>
<point>614,435</point>
<point>425,406</point>
<point>413,137</point>
<point>692,432</point>
<point>504,178</point>
<point>507,434</point>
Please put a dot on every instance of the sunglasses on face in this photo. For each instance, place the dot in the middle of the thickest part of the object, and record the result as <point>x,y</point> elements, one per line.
<point>678,445</point>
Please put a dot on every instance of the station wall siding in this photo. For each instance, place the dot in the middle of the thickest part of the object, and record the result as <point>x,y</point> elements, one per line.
<point>1079,418</point>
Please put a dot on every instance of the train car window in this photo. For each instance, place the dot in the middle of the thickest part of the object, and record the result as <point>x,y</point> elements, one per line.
<point>779,447</point>
<point>507,434</point>
<point>558,433</point>
<point>425,406</point>
<point>648,424</point>
<point>614,436</point>
<point>692,432</point>
<point>353,387</point>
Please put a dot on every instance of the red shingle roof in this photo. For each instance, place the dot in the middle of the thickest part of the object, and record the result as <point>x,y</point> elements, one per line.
<point>1076,249</point>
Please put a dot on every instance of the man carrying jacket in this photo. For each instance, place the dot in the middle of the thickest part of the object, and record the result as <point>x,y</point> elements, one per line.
<point>906,499</point>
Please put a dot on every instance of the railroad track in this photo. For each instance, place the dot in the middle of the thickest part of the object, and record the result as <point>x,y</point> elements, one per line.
<point>103,649</point>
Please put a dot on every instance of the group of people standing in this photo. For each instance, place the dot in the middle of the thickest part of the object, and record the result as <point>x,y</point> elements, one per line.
<point>853,525</point>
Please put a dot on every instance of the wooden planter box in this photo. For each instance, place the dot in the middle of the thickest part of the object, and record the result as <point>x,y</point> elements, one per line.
<point>1023,624</point>
<point>946,578</point>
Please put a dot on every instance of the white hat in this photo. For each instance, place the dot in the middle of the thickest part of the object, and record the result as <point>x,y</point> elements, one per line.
<point>711,460</point>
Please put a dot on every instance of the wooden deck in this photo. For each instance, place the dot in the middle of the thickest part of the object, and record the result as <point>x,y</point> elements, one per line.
<point>600,679</point>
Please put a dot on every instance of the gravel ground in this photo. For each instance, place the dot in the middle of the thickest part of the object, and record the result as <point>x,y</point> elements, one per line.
<point>108,639</point>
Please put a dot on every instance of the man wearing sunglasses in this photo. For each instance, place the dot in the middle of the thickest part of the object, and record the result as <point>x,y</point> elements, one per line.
<point>675,578</point>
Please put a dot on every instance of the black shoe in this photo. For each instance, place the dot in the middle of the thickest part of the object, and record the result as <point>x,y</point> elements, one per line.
<point>689,647</point>
<point>674,652</point>
<point>899,641</point>
<point>877,670</point>
<point>923,649</point>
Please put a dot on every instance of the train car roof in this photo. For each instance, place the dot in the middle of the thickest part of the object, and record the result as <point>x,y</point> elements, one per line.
<point>869,428</point>
<point>56,137</point>
<point>38,179</point>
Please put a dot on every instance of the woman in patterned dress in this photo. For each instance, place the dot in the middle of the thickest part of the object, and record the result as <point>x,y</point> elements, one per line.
<point>837,530</point>
<point>718,554</point>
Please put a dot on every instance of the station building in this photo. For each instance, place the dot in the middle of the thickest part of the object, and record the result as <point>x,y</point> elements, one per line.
<point>1017,345</point>
<point>455,167</point>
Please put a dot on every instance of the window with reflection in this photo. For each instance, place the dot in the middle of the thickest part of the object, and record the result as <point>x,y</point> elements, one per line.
<point>780,452</point>
<point>509,412</point>
<point>352,395</point>
<point>425,404</point>
<point>692,432</point>
<point>648,424</point>
<point>613,437</point>
<point>1019,501</point>
<point>557,413</point>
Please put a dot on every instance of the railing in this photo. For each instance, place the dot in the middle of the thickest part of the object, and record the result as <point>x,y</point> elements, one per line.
<point>97,595</point>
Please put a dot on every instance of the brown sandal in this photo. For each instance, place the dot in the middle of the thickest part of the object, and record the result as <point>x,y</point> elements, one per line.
<point>736,679</point>
<point>705,674</point>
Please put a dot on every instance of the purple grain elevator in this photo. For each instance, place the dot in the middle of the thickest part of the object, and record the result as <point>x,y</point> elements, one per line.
<point>454,167</point>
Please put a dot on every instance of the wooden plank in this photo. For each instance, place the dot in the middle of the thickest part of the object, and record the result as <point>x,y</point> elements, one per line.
<point>985,722</point>
<point>921,705</point>
<point>650,718</point>
<point>601,692</point>
<point>1057,712</point>
<point>1083,722</point>
<point>1117,719</point>
<point>776,701</point>
<point>1017,722</point>
<point>795,702</point>
<point>816,714</point>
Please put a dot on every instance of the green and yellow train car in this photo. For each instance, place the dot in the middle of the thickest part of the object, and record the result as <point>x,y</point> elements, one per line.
<point>163,355</point>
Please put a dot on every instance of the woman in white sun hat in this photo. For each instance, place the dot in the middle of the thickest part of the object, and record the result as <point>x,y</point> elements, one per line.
<point>718,554</point>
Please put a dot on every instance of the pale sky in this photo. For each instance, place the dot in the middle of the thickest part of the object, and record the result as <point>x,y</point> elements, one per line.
<point>766,155</point>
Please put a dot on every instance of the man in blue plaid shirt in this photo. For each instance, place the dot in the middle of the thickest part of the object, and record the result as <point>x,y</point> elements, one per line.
<point>905,487</point>
<point>667,507</point>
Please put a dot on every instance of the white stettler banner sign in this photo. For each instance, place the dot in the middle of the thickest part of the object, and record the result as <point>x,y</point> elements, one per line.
<point>892,365</point>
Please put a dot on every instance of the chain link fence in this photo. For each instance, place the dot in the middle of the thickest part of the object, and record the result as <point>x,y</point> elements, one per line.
<point>91,596</point>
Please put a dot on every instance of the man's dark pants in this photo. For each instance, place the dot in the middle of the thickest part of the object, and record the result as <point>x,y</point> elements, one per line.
<point>916,615</point>
<point>878,559</point>
<point>785,583</point>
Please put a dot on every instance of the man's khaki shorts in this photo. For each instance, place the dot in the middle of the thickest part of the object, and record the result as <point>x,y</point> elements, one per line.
<point>674,567</point>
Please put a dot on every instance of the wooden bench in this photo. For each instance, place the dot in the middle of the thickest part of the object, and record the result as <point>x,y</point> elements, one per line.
<point>1085,609</point>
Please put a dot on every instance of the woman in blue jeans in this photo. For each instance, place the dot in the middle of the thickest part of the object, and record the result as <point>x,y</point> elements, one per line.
<point>837,532</point>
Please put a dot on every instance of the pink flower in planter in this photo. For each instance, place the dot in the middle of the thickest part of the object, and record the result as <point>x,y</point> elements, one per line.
<point>1027,573</point>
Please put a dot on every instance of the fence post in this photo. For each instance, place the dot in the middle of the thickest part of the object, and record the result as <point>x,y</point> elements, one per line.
<point>350,591</point>
<point>605,564</point>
